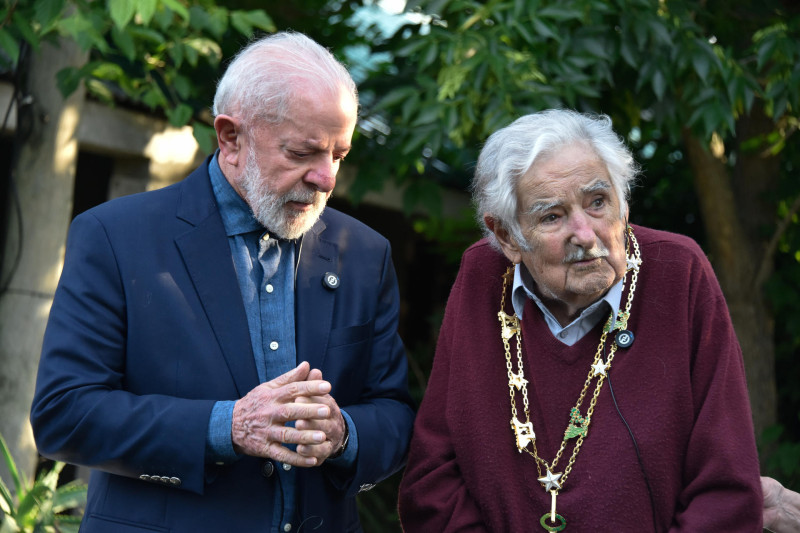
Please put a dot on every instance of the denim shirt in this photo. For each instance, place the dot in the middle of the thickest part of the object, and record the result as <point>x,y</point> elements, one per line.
<point>264,268</point>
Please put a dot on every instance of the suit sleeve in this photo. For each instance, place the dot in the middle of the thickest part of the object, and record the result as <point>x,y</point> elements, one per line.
<point>433,494</point>
<point>383,415</point>
<point>721,490</point>
<point>82,412</point>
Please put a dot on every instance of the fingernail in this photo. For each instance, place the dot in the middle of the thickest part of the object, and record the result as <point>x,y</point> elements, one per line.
<point>322,411</point>
<point>324,387</point>
<point>311,461</point>
<point>319,436</point>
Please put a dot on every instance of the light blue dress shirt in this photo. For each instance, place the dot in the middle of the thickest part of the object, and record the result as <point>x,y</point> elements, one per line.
<point>265,271</point>
<point>575,330</point>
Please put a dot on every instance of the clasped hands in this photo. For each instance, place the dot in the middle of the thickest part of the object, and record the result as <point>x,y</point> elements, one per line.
<point>300,395</point>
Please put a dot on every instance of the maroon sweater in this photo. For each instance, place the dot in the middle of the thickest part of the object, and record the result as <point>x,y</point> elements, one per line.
<point>680,387</point>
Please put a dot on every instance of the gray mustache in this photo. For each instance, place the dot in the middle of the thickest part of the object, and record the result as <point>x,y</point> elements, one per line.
<point>582,254</point>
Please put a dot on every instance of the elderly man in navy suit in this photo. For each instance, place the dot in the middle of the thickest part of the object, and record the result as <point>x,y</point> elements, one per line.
<point>170,361</point>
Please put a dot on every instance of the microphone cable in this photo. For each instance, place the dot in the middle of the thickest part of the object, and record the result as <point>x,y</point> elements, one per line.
<point>636,447</point>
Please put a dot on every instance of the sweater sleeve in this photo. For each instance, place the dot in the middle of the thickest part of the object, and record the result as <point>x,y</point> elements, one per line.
<point>720,491</point>
<point>433,495</point>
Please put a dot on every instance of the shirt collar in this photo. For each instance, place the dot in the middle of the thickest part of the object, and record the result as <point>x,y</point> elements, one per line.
<point>523,289</point>
<point>237,217</point>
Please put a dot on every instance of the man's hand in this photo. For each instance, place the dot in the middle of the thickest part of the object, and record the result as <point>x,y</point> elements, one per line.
<point>781,507</point>
<point>259,418</point>
<point>332,426</point>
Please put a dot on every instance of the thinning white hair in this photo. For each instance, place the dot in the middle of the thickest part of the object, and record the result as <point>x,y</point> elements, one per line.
<point>511,151</point>
<point>262,78</point>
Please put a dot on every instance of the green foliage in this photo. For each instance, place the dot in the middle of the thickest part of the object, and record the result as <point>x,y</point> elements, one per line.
<point>40,505</point>
<point>160,54</point>
<point>476,66</point>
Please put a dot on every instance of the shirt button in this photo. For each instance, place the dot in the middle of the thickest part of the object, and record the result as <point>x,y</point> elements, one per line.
<point>562,334</point>
<point>270,288</point>
<point>273,345</point>
<point>265,237</point>
<point>287,527</point>
<point>287,467</point>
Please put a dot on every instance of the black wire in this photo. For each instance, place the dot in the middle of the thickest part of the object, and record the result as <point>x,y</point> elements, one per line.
<point>15,203</point>
<point>638,455</point>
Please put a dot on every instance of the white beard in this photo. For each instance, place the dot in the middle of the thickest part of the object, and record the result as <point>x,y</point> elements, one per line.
<point>270,209</point>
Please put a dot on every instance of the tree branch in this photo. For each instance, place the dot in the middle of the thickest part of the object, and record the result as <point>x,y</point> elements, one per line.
<point>769,254</point>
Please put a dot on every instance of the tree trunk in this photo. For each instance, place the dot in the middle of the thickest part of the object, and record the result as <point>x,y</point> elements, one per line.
<point>44,176</point>
<point>736,259</point>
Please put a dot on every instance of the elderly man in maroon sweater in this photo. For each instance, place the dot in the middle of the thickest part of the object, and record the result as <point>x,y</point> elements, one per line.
<point>587,376</point>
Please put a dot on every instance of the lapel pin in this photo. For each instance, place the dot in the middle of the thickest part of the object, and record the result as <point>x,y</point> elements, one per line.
<point>330,280</point>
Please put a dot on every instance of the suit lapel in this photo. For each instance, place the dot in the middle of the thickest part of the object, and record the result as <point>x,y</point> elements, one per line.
<point>313,301</point>
<point>207,256</point>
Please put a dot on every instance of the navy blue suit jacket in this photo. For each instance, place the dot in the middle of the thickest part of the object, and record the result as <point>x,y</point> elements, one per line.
<point>148,330</point>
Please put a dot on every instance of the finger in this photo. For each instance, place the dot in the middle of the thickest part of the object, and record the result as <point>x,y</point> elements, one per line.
<point>299,373</point>
<point>284,455</point>
<point>321,451</point>
<point>315,373</point>
<point>290,435</point>
<point>293,392</point>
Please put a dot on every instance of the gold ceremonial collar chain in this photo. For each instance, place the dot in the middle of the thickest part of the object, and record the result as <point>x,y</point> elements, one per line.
<point>578,425</point>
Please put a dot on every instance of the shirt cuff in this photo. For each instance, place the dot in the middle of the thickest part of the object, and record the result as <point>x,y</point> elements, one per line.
<point>219,447</point>
<point>348,458</point>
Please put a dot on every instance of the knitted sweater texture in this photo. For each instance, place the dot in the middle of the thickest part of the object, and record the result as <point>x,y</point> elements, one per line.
<point>680,387</point>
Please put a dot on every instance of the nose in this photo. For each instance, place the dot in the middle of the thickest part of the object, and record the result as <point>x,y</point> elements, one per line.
<point>323,175</point>
<point>582,231</point>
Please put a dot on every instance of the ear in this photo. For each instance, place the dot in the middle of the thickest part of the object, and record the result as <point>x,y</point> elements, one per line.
<point>507,243</point>
<point>230,140</point>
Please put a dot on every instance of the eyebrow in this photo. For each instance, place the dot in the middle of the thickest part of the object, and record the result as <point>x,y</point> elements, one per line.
<point>545,205</point>
<point>600,185</point>
<point>541,207</point>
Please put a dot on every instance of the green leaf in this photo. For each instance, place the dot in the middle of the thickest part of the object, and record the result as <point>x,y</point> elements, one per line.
<point>153,97</point>
<point>146,9</point>
<point>544,30</point>
<point>25,29</point>
<point>701,64</point>
<point>213,21</point>
<point>70,496</point>
<point>395,96</point>
<point>177,7</point>
<point>765,50</point>
<point>560,14</point>
<point>206,48</point>
<point>182,86</point>
<point>659,84</point>
<point>124,42</point>
<point>427,115</point>
<point>179,116</point>
<point>10,46</point>
<point>67,80</point>
<point>47,11</point>
<point>121,11</point>
<point>245,21</point>
<point>205,136</point>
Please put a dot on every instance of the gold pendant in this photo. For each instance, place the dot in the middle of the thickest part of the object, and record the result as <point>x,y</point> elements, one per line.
<point>552,521</point>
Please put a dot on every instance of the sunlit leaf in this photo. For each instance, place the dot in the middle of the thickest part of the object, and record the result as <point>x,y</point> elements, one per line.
<point>121,11</point>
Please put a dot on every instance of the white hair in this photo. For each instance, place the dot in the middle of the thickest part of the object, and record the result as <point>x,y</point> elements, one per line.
<point>511,151</point>
<point>262,78</point>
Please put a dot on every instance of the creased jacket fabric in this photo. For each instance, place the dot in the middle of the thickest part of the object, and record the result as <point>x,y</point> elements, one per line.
<point>148,330</point>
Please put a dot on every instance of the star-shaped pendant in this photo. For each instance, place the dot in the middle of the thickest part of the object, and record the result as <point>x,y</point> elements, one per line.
<point>550,481</point>
<point>634,263</point>
<point>599,368</point>
<point>517,380</point>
